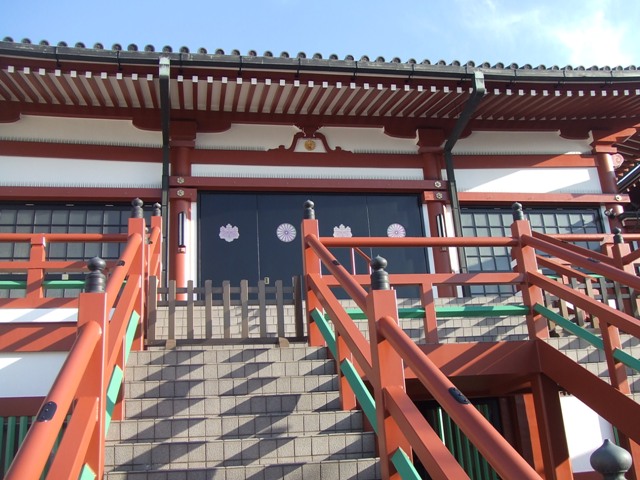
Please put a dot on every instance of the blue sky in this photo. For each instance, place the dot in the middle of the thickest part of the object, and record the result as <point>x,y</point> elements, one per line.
<point>548,32</point>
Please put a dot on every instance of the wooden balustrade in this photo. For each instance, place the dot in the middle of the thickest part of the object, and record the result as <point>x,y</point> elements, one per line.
<point>87,391</point>
<point>391,413</point>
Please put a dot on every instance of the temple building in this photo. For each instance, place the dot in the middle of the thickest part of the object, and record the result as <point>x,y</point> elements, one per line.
<point>232,144</point>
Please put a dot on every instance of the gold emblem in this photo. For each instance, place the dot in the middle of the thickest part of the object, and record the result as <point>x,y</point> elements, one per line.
<point>310,145</point>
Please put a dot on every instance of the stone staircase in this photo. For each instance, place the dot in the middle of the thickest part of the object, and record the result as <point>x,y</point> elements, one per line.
<point>231,412</point>
<point>260,411</point>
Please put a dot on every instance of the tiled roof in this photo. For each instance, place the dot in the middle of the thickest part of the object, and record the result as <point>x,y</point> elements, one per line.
<point>167,49</point>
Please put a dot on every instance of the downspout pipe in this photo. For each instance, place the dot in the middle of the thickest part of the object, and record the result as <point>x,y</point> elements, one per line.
<point>476,96</point>
<point>165,112</point>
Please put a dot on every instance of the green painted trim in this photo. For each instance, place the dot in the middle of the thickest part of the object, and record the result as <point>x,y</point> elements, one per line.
<point>465,311</point>
<point>404,466</point>
<point>112,394</point>
<point>131,334</point>
<point>10,447</point>
<point>570,326</point>
<point>363,395</point>
<point>86,473</point>
<point>22,284</point>
<point>620,355</point>
<point>325,329</point>
<point>12,284</point>
<point>629,360</point>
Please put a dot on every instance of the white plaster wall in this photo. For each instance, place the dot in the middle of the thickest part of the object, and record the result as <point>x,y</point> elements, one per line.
<point>39,315</point>
<point>79,131</point>
<point>367,140</point>
<point>248,137</point>
<point>29,374</point>
<point>585,430</point>
<point>61,172</point>
<point>530,180</point>
<point>512,143</point>
<point>258,171</point>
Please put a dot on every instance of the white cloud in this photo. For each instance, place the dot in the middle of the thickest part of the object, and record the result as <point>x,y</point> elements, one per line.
<point>593,39</point>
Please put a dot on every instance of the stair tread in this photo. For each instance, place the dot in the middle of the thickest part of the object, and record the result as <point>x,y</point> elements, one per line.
<point>243,451</point>
<point>346,469</point>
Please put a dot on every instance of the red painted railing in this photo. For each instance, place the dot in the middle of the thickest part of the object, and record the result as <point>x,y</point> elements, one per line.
<point>110,322</point>
<point>382,359</point>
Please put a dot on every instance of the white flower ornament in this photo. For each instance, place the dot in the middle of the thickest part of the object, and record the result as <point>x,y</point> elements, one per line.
<point>342,232</point>
<point>395,230</point>
<point>286,232</point>
<point>229,233</point>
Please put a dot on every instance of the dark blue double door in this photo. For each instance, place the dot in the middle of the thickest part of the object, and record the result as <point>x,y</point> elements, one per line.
<point>256,236</point>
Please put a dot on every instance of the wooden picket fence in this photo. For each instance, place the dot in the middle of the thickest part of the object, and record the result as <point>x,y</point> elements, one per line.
<point>194,314</point>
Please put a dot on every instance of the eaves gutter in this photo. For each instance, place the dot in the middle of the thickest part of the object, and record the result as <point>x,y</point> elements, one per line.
<point>629,179</point>
<point>477,94</point>
<point>165,109</point>
<point>313,65</point>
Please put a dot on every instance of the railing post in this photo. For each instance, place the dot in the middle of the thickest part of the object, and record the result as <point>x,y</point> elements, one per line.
<point>92,307</point>
<point>525,257</point>
<point>311,264</point>
<point>611,461</point>
<point>35,275</point>
<point>387,367</point>
<point>137,225</point>
<point>156,260</point>
<point>611,339</point>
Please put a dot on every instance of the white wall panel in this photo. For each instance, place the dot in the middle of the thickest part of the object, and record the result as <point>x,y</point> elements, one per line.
<point>79,131</point>
<point>63,172</point>
<point>29,374</point>
<point>367,140</point>
<point>257,171</point>
<point>248,137</point>
<point>585,431</point>
<point>514,143</point>
<point>531,180</point>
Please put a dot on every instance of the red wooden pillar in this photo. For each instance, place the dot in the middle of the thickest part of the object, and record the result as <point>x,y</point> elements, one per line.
<point>430,143</point>
<point>183,141</point>
<point>525,257</point>
<point>179,218</point>
<point>387,368</point>
<point>311,265</point>
<point>604,152</point>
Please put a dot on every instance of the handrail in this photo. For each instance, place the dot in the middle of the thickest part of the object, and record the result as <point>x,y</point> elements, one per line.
<point>352,287</point>
<point>120,271</point>
<point>604,269</point>
<point>353,242</point>
<point>64,237</point>
<point>499,453</point>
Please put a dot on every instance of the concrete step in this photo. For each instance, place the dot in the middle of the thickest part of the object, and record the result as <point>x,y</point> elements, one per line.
<point>210,355</point>
<point>231,386</point>
<point>349,469</point>
<point>249,369</point>
<point>231,405</point>
<point>235,426</point>
<point>238,452</point>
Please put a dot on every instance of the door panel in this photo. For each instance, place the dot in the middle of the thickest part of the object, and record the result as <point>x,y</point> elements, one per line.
<point>228,258</point>
<point>268,232</point>
<point>279,218</point>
